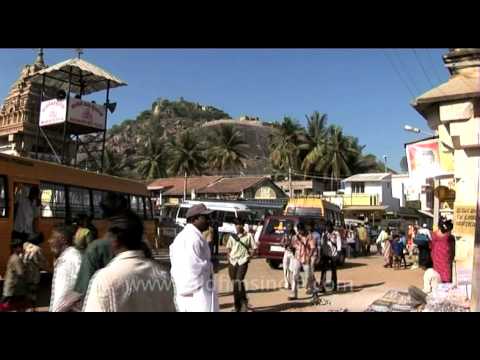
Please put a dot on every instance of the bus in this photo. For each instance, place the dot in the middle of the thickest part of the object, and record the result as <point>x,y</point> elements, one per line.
<point>65,193</point>
<point>315,208</point>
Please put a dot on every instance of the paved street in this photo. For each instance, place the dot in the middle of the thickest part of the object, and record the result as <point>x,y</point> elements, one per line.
<point>368,278</point>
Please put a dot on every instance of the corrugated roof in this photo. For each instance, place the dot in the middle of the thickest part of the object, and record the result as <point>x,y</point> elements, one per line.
<point>231,185</point>
<point>175,184</point>
<point>367,177</point>
<point>93,78</point>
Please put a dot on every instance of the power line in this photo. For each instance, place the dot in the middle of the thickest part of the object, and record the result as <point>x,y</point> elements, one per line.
<point>423,68</point>
<point>399,75</point>
<point>412,79</point>
<point>432,62</point>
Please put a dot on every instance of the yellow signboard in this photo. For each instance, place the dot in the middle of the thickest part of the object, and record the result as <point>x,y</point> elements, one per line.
<point>464,220</point>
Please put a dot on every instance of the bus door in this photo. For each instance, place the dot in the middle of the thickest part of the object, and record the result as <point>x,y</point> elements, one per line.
<point>6,222</point>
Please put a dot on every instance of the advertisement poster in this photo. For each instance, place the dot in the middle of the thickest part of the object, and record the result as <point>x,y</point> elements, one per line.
<point>424,159</point>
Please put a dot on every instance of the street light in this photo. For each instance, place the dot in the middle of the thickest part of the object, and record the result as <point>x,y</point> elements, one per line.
<point>416,130</point>
<point>385,161</point>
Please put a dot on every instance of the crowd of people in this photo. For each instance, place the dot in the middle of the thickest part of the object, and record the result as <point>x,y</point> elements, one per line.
<point>117,272</point>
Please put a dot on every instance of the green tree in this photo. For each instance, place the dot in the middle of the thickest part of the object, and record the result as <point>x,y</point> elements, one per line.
<point>114,164</point>
<point>314,147</point>
<point>285,144</point>
<point>226,149</point>
<point>152,160</point>
<point>186,155</point>
<point>336,155</point>
<point>404,164</point>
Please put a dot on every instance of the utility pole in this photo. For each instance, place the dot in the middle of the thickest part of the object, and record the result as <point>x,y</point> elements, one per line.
<point>385,160</point>
<point>290,182</point>
<point>185,188</point>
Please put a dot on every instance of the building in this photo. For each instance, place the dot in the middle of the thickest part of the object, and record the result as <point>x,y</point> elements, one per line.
<point>369,197</point>
<point>256,191</point>
<point>20,112</point>
<point>301,187</point>
<point>452,111</point>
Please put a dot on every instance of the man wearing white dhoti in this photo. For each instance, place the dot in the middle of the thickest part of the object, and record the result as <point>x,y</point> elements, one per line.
<point>191,267</point>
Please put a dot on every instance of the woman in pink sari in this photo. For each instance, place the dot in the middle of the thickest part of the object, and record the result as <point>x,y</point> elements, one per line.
<point>443,248</point>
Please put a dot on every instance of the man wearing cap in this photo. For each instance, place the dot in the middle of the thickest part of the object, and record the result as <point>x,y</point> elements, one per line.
<point>192,271</point>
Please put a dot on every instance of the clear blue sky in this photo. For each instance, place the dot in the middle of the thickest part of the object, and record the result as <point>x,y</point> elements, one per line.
<point>359,89</point>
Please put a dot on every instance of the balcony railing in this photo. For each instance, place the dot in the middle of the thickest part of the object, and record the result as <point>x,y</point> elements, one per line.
<point>361,200</point>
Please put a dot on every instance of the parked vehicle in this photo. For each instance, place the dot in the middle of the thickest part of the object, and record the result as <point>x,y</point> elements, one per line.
<point>273,231</point>
<point>224,212</point>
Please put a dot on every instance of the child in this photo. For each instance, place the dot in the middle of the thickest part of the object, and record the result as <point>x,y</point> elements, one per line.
<point>398,247</point>
<point>83,235</point>
<point>14,286</point>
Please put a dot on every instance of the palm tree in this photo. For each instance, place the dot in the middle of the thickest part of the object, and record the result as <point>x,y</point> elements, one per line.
<point>226,149</point>
<point>285,144</point>
<point>186,155</point>
<point>151,161</point>
<point>314,146</point>
<point>335,155</point>
<point>114,164</point>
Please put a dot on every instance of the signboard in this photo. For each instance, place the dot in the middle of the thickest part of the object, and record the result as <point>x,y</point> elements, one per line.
<point>53,112</point>
<point>79,112</point>
<point>265,192</point>
<point>86,113</point>
<point>464,220</point>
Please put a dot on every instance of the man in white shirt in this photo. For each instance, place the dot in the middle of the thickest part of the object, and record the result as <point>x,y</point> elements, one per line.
<point>26,214</point>
<point>66,267</point>
<point>130,282</point>
<point>192,271</point>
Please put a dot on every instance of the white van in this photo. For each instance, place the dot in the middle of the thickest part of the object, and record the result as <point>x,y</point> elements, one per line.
<point>226,213</point>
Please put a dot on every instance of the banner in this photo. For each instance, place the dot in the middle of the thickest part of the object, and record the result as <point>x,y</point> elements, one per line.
<point>427,159</point>
<point>86,113</point>
<point>53,112</point>
<point>79,112</point>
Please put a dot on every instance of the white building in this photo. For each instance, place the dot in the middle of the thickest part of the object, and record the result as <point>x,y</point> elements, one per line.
<point>369,196</point>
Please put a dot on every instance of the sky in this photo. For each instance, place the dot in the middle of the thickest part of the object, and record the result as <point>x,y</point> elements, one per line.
<point>366,91</point>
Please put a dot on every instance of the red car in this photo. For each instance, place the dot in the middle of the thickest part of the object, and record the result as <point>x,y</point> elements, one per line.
<point>273,231</point>
<point>271,237</point>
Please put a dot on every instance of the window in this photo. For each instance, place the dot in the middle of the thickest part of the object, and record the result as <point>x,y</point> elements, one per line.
<point>79,201</point>
<point>53,200</point>
<point>97,197</point>
<point>229,217</point>
<point>278,227</point>
<point>136,204</point>
<point>358,187</point>
<point>3,196</point>
<point>148,208</point>
<point>183,213</point>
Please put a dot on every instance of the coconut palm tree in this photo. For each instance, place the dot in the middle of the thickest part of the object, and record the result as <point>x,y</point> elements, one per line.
<point>186,155</point>
<point>314,147</point>
<point>285,144</point>
<point>114,164</point>
<point>338,150</point>
<point>226,149</point>
<point>151,162</point>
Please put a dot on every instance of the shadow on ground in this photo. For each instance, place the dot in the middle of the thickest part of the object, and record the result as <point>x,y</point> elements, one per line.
<point>283,307</point>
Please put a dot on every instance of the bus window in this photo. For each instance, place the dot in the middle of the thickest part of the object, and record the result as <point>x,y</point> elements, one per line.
<point>97,197</point>
<point>53,200</point>
<point>3,196</point>
<point>136,204</point>
<point>79,201</point>
<point>148,208</point>
<point>228,217</point>
<point>182,214</point>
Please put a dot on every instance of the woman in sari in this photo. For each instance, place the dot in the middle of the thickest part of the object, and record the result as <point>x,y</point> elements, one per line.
<point>387,250</point>
<point>443,247</point>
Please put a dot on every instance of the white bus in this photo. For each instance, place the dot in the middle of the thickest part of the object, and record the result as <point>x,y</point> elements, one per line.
<point>225,214</point>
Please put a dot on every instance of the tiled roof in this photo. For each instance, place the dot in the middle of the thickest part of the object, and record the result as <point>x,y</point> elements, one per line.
<point>175,184</point>
<point>231,185</point>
